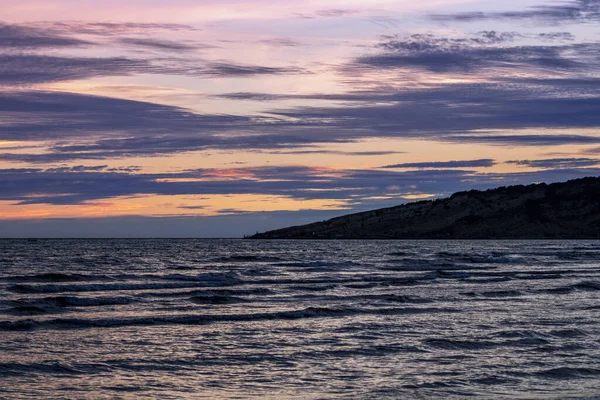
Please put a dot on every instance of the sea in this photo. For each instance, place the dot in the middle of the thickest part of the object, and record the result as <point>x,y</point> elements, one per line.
<point>236,319</point>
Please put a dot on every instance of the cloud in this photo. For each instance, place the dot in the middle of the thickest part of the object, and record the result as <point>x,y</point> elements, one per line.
<point>558,163</point>
<point>112,128</point>
<point>525,140</point>
<point>566,12</point>
<point>158,44</point>
<point>359,187</point>
<point>93,127</point>
<point>493,37</point>
<point>239,70</point>
<point>595,150</point>
<point>35,115</point>
<point>336,12</point>
<point>336,152</point>
<point>556,36</point>
<point>109,28</point>
<point>132,168</point>
<point>192,207</point>
<point>328,13</point>
<point>63,187</point>
<point>282,42</point>
<point>106,128</point>
<point>253,96</point>
<point>460,109</point>
<point>446,164</point>
<point>78,168</point>
<point>22,36</point>
<point>27,69</point>
<point>35,36</point>
<point>465,55</point>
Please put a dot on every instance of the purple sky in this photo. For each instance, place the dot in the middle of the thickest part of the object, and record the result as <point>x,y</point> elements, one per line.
<point>185,118</point>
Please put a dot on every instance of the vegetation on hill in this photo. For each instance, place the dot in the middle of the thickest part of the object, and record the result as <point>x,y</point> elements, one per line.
<point>569,210</point>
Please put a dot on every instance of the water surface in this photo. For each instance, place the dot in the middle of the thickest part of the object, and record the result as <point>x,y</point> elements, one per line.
<point>177,319</point>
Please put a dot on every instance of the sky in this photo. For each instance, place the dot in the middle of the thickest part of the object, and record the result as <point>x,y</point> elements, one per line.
<point>206,118</point>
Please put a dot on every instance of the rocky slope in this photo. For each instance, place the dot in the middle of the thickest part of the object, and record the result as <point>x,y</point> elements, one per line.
<point>568,210</point>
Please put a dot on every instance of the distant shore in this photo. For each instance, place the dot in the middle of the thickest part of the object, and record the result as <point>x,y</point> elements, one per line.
<point>562,211</point>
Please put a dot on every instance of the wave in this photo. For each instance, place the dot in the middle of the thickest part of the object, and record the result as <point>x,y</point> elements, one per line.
<point>485,258</point>
<point>494,293</point>
<point>72,301</point>
<point>360,351</point>
<point>52,305</point>
<point>55,277</point>
<point>445,274</point>
<point>569,373</point>
<point>217,299</point>
<point>434,385</point>
<point>435,267</point>
<point>364,299</point>
<point>494,380</point>
<point>447,344</point>
<point>568,333</point>
<point>204,280</point>
<point>246,258</point>
<point>317,288</point>
<point>531,334</point>
<point>558,290</point>
<point>57,368</point>
<point>588,286</point>
<point>27,310</point>
<point>216,292</point>
<point>209,277</point>
<point>520,334</point>
<point>45,368</point>
<point>487,280</point>
<point>426,264</point>
<point>318,265</point>
<point>399,254</point>
<point>372,280</point>
<point>480,344</point>
<point>310,312</point>
<point>396,298</point>
<point>359,285</point>
<point>539,276</point>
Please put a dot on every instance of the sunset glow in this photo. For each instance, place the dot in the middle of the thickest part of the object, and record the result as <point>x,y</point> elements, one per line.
<point>221,108</point>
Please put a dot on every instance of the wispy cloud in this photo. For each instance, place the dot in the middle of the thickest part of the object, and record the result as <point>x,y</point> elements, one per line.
<point>282,42</point>
<point>563,12</point>
<point>464,55</point>
<point>58,186</point>
<point>158,44</point>
<point>595,150</point>
<point>525,140</point>
<point>112,128</point>
<point>336,152</point>
<point>104,29</point>
<point>27,37</point>
<point>558,163</point>
<point>445,164</point>
<point>25,69</point>
<point>328,13</point>
<point>223,69</point>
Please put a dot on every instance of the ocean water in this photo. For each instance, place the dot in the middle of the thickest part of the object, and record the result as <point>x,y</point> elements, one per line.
<point>173,319</point>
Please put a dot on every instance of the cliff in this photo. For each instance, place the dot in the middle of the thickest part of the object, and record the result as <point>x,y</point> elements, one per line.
<point>569,210</point>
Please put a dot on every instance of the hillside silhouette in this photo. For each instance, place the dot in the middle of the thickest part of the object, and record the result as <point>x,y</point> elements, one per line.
<point>567,210</point>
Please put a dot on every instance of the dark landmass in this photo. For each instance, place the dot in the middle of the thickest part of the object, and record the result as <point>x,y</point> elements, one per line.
<point>569,210</point>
